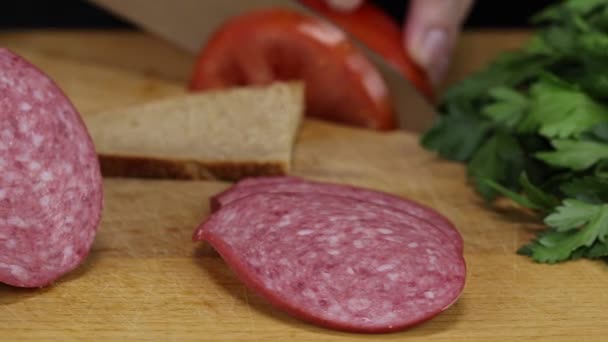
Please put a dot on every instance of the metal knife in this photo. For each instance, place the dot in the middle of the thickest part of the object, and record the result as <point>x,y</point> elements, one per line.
<point>188,24</point>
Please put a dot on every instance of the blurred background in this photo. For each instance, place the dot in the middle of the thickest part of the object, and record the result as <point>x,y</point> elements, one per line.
<point>26,14</point>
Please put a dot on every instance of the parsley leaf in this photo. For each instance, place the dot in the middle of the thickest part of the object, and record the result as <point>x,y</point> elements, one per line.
<point>538,46</point>
<point>593,44</point>
<point>557,12</point>
<point>561,40</point>
<point>598,250</point>
<point>446,137</point>
<point>599,20</point>
<point>588,189</point>
<point>591,76</point>
<point>560,110</point>
<point>600,170</point>
<point>583,7</point>
<point>574,154</point>
<point>499,159</point>
<point>599,132</point>
<point>594,83</point>
<point>571,215</point>
<point>509,106</point>
<point>577,225</point>
<point>510,69</point>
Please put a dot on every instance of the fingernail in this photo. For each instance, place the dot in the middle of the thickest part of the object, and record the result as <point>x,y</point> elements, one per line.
<point>434,54</point>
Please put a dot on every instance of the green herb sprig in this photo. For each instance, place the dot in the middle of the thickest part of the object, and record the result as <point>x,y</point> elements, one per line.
<point>533,126</point>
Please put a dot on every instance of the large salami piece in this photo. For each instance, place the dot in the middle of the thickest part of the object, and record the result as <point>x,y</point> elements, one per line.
<point>50,182</point>
<point>298,185</point>
<point>337,262</point>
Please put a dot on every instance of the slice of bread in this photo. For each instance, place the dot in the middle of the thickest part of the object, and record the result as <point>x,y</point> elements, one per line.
<point>224,134</point>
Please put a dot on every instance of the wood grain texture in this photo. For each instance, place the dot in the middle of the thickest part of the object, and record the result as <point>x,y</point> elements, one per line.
<point>146,280</point>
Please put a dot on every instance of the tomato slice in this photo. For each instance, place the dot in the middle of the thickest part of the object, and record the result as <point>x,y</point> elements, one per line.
<point>378,31</point>
<point>263,46</point>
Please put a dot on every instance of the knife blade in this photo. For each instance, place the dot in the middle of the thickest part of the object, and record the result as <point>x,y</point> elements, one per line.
<point>189,23</point>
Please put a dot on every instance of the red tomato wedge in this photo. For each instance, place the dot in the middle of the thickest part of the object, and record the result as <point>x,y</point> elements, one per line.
<point>267,45</point>
<point>378,31</point>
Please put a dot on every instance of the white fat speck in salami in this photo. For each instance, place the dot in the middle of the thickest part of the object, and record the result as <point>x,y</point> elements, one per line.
<point>298,185</point>
<point>48,226</point>
<point>302,269</point>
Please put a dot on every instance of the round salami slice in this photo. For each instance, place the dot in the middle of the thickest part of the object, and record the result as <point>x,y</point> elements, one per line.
<point>298,185</point>
<point>337,262</point>
<point>50,181</point>
<point>228,195</point>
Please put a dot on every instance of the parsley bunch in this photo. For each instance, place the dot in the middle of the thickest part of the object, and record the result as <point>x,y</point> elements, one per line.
<point>533,126</point>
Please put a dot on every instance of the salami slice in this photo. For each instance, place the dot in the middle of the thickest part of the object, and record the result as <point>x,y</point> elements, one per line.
<point>229,194</point>
<point>337,262</point>
<point>50,181</point>
<point>299,185</point>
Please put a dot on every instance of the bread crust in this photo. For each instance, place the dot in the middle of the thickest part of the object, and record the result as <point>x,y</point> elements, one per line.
<point>147,167</point>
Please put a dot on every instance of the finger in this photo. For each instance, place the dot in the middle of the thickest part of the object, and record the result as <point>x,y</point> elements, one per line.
<point>344,5</point>
<point>431,31</point>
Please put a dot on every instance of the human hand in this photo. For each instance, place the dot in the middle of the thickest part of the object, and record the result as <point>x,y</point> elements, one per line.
<point>431,30</point>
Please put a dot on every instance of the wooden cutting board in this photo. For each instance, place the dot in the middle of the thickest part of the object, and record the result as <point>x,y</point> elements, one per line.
<point>145,280</point>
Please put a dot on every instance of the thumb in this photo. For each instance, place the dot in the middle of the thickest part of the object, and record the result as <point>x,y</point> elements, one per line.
<point>431,31</point>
